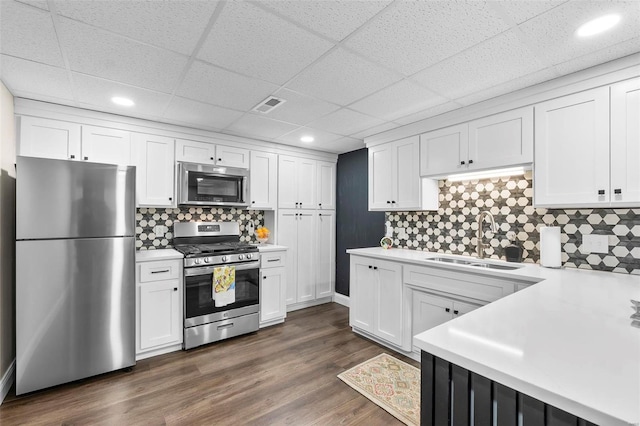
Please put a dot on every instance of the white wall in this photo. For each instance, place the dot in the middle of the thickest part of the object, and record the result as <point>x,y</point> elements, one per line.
<point>7,231</point>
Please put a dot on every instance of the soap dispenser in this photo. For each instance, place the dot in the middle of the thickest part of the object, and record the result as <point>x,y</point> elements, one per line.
<point>513,252</point>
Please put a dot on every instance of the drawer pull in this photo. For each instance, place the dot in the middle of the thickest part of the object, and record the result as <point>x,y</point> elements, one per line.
<point>617,191</point>
<point>274,260</point>
<point>221,327</point>
<point>601,192</point>
<point>455,312</point>
<point>160,272</point>
<point>370,266</point>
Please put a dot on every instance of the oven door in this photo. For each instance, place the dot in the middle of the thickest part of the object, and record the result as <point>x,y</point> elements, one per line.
<point>199,305</point>
<point>201,184</point>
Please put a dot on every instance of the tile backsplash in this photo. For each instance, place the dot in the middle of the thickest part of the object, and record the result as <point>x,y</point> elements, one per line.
<point>148,218</point>
<point>452,229</point>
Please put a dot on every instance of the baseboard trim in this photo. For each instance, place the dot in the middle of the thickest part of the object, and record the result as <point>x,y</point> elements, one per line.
<point>308,304</point>
<point>161,351</point>
<point>341,299</point>
<point>7,381</point>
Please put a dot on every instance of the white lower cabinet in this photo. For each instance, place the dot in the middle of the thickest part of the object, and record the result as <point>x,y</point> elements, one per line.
<point>376,299</point>
<point>273,287</point>
<point>296,230</point>
<point>159,298</point>
<point>325,253</point>
<point>429,311</point>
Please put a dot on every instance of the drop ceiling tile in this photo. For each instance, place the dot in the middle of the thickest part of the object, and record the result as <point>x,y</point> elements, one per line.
<point>485,65</point>
<point>509,86</point>
<point>552,35</point>
<point>523,10</point>
<point>403,98</point>
<point>259,127</point>
<point>346,122</point>
<point>334,19</point>
<point>227,89</point>
<point>320,137</point>
<point>599,57</point>
<point>374,130</point>
<point>174,25</point>
<point>254,42</point>
<point>34,80</point>
<point>343,145</point>
<point>410,35</point>
<point>201,115</point>
<point>40,4</point>
<point>298,108</point>
<point>98,92</point>
<point>28,33</point>
<point>428,113</point>
<point>102,54</point>
<point>342,77</point>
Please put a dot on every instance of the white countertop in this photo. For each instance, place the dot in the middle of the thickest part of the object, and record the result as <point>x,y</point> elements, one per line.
<point>162,254</point>
<point>265,248</point>
<point>566,341</point>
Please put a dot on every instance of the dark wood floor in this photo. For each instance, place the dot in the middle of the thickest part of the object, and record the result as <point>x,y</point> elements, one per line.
<point>285,374</point>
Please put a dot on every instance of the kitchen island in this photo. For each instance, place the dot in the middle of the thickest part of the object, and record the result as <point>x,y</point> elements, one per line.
<point>566,341</point>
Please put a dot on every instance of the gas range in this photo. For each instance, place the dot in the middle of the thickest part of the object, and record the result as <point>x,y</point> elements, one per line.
<point>212,243</point>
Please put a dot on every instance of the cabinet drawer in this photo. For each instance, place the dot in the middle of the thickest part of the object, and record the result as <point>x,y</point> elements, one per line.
<point>474,286</point>
<point>273,260</point>
<point>159,271</point>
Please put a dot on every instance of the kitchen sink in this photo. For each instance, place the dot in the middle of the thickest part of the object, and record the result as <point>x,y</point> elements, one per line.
<point>473,262</point>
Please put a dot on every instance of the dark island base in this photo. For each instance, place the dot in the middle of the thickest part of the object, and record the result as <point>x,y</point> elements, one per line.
<point>454,396</point>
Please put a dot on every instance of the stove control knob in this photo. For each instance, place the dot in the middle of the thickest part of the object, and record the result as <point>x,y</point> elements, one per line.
<point>240,256</point>
<point>225,258</point>
<point>249,255</point>
<point>206,260</point>
<point>196,261</point>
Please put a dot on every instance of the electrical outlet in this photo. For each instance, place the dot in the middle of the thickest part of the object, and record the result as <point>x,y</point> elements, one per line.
<point>594,243</point>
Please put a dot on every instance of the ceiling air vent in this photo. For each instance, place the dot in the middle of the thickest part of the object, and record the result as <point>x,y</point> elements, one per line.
<point>269,104</point>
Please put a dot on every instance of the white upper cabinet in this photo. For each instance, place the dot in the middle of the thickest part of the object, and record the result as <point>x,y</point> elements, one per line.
<point>326,193</point>
<point>104,145</point>
<point>500,140</point>
<point>154,160</point>
<point>444,151</point>
<point>625,143</point>
<point>296,183</point>
<point>394,178</point>
<point>572,150</point>
<point>44,138</point>
<point>195,152</point>
<point>263,184</point>
<point>232,157</point>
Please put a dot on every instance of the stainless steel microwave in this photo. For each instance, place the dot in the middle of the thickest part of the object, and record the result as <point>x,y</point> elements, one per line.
<point>208,185</point>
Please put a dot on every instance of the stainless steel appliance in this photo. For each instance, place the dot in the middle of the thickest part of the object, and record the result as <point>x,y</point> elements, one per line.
<point>207,246</point>
<point>206,185</point>
<point>75,260</point>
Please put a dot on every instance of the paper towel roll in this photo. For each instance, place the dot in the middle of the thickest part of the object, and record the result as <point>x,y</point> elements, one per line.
<point>550,247</point>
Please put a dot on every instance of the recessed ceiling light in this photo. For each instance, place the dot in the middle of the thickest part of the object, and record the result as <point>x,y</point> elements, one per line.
<point>598,25</point>
<point>307,139</point>
<point>122,101</point>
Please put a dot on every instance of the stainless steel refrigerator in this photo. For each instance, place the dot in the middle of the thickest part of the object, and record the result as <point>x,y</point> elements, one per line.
<point>75,271</point>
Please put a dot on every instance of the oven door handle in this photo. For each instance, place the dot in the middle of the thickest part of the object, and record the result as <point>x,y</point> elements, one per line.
<point>204,270</point>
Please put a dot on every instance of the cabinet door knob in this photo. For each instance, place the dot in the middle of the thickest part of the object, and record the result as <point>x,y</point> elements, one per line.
<point>375,267</point>
<point>447,309</point>
<point>393,202</point>
<point>455,312</point>
<point>220,159</point>
<point>72,157</point>
<point>462,163</point>
<point>175,289</point>
<point>600,191</point>
<point>617,191</point>
<point>264,277</point>
<point>470,161</point>
<point>320,214</point>
<point>211,158</point>
<point>388,202</point>
<point>253,202</point>
<point>170,198</point>
<point>370,266</point>
<point>86,158</point>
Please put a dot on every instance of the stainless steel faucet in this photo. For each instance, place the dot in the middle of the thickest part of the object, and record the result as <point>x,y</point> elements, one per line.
<point>480,245</point>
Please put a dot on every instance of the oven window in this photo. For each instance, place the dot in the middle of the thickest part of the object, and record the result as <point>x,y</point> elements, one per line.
<point>199,291</point>
<point>206,187</point>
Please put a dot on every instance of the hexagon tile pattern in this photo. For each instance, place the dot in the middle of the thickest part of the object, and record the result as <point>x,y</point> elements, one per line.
<point>148,218</point>
<point>452,229</point>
